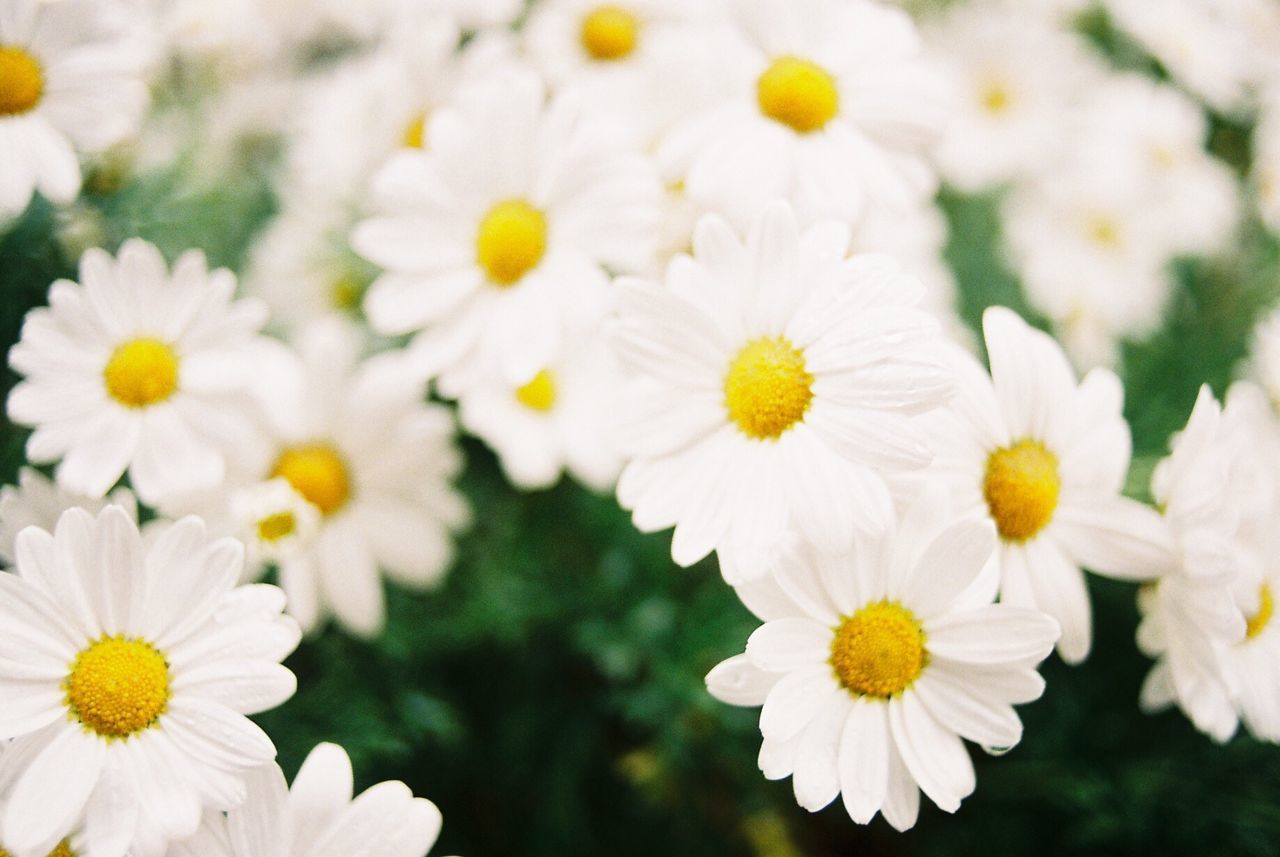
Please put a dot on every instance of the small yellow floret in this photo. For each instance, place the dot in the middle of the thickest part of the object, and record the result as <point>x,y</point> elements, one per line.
<point>511,241</point>
<point>21,81</point>
<point>275,527</point>
<point>1021,489</point>
<point>768,388</point>
<point>1104,231</point>
<point>610,33</point>
<point>1266,608</point>
<point>995,97</point>
<point>540,393</point>
<point>142,372</point>
<point>799,94</point>
<point>118,687</point>
<point>318,473</point>
<point>879,651</point>
<point>415,133</point>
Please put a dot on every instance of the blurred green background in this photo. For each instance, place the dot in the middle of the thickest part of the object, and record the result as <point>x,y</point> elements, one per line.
<point>549,697</point>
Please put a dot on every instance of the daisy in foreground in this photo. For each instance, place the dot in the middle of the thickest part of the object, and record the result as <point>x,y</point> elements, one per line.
<point>317,817</point>
<point>139,369</point>
<point>127,672</point>
<point>873,665</point>
<point>1045,460</point>
<point>779,378</point>
<point>70,81</point>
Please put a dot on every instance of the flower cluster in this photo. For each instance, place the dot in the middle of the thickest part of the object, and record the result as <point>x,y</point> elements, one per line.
<point>688,252</point>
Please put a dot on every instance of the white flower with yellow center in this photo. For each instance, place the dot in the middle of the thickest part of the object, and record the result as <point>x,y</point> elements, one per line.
<point>499,234</point>
<point>1045,460</point>
<point>1191,613</point>
<point>138,369</point>
<point>826,103</point>
<point>779,379</point>
<point>1016,77</point>
<point>127,673</point>
<point>317,817</point>
<point>873,665</point>
<point>560,420</point>
<point>37,501</point>
<point>70,81</point>
<point>374,462</point>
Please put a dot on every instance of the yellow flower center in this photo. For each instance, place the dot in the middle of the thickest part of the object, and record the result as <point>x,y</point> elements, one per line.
<point>21,81</point>
<point>1259,620</point>
<point>346,293</point>
<point>118,687</point>
<point>768,389</point>
<point>275,527</point>
<point>879,651</point>
<point>1104,231</point>
<point>62,849</point>
<point>1021,488</point>
<point>142,372</point>
<point>799,94</point>
<point>540,393</point>
<point>318,473</point>
<point>511,241</point>
<point>415,133</point>
<point>995,97</point>
<point>610,33</point>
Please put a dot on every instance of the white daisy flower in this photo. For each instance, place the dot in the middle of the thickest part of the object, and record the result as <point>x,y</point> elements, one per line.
<point>560,420</point>
<point>70,81</point>
<point>1191,612</point>
<point>37,501</point>
<point>499,234</point>
<point>356,440</point>
<point>1045,460</point>
<point>276,521</point>
<point>778,378</point>
<point>1016,77</point>
<point>138,369</point>
<point>317,817</point>
<point>873,666</point>
<point>827,103</point>
<point>127,673</point>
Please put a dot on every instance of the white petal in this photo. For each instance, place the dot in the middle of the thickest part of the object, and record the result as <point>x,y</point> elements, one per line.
<point>864,760</point>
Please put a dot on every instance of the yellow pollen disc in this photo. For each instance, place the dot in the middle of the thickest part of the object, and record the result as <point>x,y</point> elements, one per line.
<point>118,687</point>
<point>768,389</point>
<point>1259,620</point>
<point>995,97</point>
<point>879,651</point>
<point>540,393</point>
<point>62,849</point>
<point>142,372</point>
<point>21,81</point>
<point>318,473</point>
<point>610,33</point>
<point>1104,231</point>
<point>799,94</point>
<point>1021,488</point>
<point>275,527</point>
<point>345,293</point>
<point>415,133</point>
<point>511,241</point>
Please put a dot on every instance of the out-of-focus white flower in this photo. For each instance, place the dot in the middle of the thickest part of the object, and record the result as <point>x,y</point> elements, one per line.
<point>356,440</point>
<point>129,673</point>
<point>1190,613</point>
<point>1016,76</point>
<point>317,817</point>
<point>562,419</point>
<point>778,378</point>
<point>1264,355</point>
<point>1045,460</point>
<point>138,369</point>
<point>37,501</point>
<point>499,235</point>
<point>1266,160</point>
<point>826,103</point>
<point>276,521</point>
<point>873,666</point>
<point>70,82</point>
